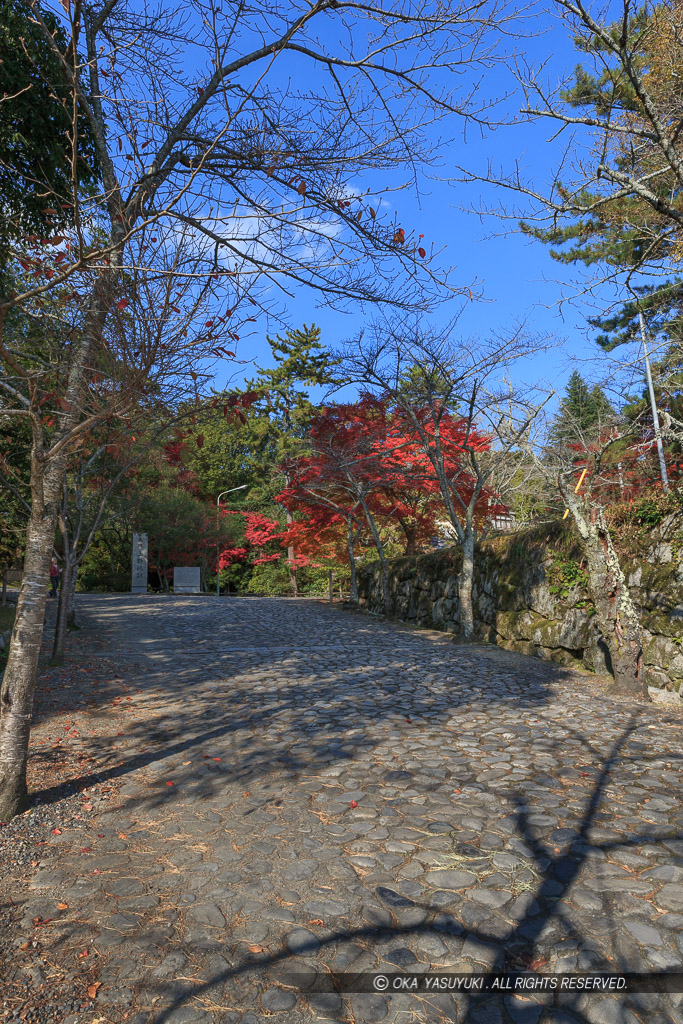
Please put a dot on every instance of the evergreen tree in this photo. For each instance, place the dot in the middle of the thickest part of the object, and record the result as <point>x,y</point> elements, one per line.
<point>626,230</point>
<point>583,409</point>
<point>36,129</point>
<point>301,363</point>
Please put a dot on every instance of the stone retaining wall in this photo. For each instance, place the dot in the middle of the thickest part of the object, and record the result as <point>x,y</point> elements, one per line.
<point>530,596</point>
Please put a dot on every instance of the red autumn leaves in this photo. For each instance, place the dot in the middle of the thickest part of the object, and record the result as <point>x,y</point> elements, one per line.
<point>369,450</point>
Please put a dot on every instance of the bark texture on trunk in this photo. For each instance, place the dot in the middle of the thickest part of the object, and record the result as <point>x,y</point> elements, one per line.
<point>379,547</point>
<point>614,608</point>
<point>47,475</point>
<point>59,642</point>
<point>18,684</point>
<point>465,581</point>
<point>71,606</point>
<point>410,533</point>
<point>3,602</point>
<point>617,616</point>
<point>353,584</point>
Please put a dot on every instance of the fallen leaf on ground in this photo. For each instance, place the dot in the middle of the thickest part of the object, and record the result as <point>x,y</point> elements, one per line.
<point>92,989</point>
<point>256,949</point>
<point>316,920</point>
<point>62,906</point>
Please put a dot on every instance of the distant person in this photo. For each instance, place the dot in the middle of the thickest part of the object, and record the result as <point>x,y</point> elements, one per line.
<point>55,573</point>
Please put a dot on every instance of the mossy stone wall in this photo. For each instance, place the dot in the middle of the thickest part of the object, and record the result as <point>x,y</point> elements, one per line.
<point>530,596</point>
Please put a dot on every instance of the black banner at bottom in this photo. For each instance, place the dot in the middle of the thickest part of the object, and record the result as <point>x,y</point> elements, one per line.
<point>510,981</point>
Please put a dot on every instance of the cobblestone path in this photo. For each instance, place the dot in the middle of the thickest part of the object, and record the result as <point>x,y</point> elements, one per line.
<point>304,789</point>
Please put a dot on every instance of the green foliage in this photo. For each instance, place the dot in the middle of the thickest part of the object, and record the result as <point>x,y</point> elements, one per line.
<point>300,359</point>
<point>271,579</point>
<point>625,232</point>
<point>36,127</point>
<point>648,511</point>
<point>582,409</point>
<point>104,583</point>
<point>564,574</point>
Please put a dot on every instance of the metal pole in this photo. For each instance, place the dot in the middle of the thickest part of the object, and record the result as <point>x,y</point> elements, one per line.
<point>331,584</point>
<point>655,414</point>
<point>218,543</point>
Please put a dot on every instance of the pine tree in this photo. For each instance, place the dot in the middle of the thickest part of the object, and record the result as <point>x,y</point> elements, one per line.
<point>36,128</point>
<point>583,409</point>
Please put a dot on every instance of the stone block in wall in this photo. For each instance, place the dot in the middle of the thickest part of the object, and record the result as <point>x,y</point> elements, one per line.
<point>662,553</point>
<point>519,625</point>
<point>559,655</point>
<point>486,609</point>
<point>439,612</point>
<point>490,582</point>
<point>664,623</point>
<point>596,656</point>
<point>664,653</point>
<point>540,600</point>
<point>659,678</point>
<point>520,646</point>
<point>576,629</point>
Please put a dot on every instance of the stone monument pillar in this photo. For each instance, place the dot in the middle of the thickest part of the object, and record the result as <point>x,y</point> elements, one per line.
<point>139,580</point>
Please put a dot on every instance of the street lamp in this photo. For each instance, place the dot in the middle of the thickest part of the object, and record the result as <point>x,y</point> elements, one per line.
<point>218,542</point>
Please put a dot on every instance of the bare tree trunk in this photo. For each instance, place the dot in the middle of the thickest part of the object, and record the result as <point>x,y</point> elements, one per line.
<point>384,565</point>
<point>3,602</point>
<point>614,609</point>
<point>410,532</point>
<point>71,606</point>
<point>47,476</point>
<point>59,641</point>
<point>353,586</point>
<point>291,554</point>
<point>18,684</point>
<point>465,581</point>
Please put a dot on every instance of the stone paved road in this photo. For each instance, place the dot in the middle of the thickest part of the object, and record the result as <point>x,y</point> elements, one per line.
<point>305,789</point>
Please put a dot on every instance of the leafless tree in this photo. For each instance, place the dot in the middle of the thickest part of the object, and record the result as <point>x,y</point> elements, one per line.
<point>198,129</point>
<point>428,377</point>
<point>590,470</point>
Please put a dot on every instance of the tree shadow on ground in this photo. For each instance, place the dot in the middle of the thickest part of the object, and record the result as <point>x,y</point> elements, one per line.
<point>557,870</point>
<point>317,717</point>
<point>359,694</point>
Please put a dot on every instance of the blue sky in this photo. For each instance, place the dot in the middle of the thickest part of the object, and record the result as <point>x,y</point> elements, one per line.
<point>517,276</point>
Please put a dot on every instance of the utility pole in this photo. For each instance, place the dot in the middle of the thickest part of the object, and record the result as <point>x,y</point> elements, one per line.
<point>653,404</point>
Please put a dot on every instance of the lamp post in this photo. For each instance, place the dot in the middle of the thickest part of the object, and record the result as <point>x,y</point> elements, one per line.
<point>218,543</point>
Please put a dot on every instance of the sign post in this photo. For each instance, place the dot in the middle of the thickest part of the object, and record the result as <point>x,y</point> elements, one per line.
<point>139,572</point>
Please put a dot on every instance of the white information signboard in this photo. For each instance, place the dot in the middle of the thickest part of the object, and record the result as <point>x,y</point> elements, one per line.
<point>139,571</point>
<point>186,580</point>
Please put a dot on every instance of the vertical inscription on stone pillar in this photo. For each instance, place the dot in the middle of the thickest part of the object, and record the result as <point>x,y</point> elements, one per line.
<point>139,581</point>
